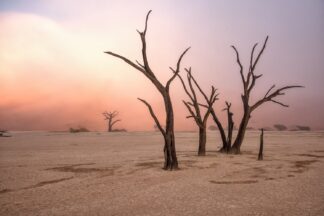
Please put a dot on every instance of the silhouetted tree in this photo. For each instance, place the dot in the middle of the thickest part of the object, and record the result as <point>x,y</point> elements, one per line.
<point>248,81</point>
<point>200,120</point>
<point>170,157</point>
<point>248,85</point>
<point>110,116</point>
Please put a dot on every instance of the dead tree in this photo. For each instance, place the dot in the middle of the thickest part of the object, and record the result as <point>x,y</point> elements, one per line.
<point>249,81</point>
<point>260,157</point>
<point>170,157</point>
<point>109,116</point>
<point>200,120</point>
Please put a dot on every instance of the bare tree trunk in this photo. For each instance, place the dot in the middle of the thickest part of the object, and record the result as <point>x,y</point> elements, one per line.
<point>202,141</point>
<point>109,125</point>
<point>230,126</point>
<point>170,154</point>
<point>221,130</point>
<point>260,157</point>
<point>236,148</point>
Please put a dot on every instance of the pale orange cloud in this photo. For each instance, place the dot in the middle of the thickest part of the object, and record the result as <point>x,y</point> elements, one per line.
<point>52,78</point>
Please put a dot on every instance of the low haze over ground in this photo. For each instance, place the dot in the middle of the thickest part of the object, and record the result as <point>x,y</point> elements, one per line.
<point>54,74</point>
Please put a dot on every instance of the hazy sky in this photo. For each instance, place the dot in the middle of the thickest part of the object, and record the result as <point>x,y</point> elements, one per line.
<point>54,74</point>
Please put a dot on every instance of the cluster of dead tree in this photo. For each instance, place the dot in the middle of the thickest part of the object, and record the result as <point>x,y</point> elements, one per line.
<point>200,111</point>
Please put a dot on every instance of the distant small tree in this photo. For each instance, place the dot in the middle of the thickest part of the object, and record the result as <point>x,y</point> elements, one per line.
<point>280,127</point>
<point>110,116</point>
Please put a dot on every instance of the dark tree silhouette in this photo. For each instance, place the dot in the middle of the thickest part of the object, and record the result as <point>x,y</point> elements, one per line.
<point>200,120</point>
<point>110,116</point>
<point>260,156</point>
<point>248,81</point>
<point>248,85</point>
<point>170,157</point>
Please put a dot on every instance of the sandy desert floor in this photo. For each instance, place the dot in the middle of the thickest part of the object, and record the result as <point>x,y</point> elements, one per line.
<point>97,173</point>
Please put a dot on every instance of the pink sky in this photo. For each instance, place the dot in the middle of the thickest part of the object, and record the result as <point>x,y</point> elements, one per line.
<point>54,74</point>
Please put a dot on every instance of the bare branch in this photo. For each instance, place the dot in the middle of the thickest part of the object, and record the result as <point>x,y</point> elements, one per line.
<point>184,86</point>
<point>114,113</point>
<point>280,103</point>
<point>187,104</point>
<point>213,96</point>
<point>140,64</point>
<point>146,20</point>
<point>114,122</point>
<point>144,52</point>
<point>252,54</point>
<point>110,115</point>
<point>191,104</point>
<point>193,115</point>
<point>203,105</point>
<point>251,64</point>
<point>254,78</point>
<point>260,53</point>
<point>200,104</point>
<point>241,67</point>
<point>269,91</point>
<point>269,97</point>
<point>127,61</point>
<point>193,92</point>
<point>201,91</point>
<point>153,116</point>
<point>228,105</point>
<point>176,72</point>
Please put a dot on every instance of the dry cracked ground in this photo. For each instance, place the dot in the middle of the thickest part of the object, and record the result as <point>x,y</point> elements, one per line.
<point>98,173</point>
